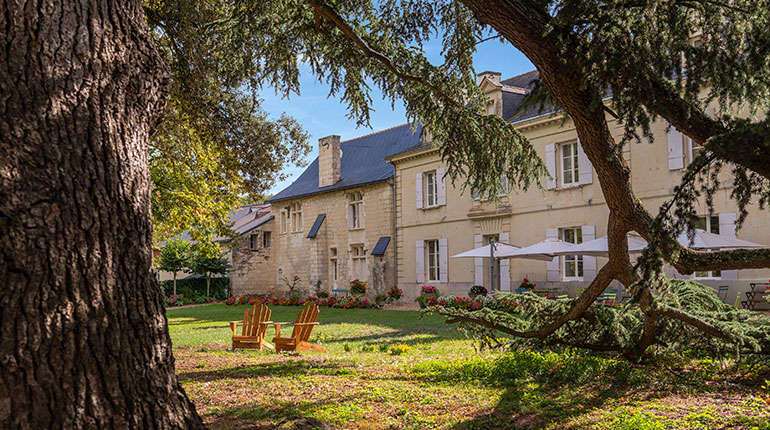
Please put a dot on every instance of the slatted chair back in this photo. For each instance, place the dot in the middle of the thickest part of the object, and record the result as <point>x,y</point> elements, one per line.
<point>723,289</point>
<point>301,333</point>
<point>254,320</point>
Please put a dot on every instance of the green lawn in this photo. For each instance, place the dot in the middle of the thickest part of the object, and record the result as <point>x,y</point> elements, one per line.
<point>442,382</point>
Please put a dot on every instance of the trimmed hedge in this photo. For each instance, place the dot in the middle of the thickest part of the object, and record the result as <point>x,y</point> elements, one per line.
<point>193,288</point>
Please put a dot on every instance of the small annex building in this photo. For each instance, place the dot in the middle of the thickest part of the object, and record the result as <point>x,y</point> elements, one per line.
<point>335,223</point>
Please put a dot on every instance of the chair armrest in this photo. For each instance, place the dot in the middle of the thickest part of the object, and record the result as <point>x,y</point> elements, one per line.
<point>310,323</point>
<point>233,325</point>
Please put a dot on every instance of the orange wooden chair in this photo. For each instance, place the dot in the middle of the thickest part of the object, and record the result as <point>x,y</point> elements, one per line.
<point>255,322</point>
<point>301,333</point>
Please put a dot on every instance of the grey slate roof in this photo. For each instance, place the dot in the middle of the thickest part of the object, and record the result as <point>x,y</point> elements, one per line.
<point>381,246</point>
<point>363,162</point>
<point>316,226</point>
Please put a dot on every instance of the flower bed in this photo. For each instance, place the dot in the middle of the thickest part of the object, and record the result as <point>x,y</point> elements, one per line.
<point>329,302</point>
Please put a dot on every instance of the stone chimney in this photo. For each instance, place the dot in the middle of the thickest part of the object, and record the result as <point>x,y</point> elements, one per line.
<point>492,76</point>
<point>329,160</point>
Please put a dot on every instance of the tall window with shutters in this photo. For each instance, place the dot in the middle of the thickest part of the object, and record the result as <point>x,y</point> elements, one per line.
<point>434,264</point>
<point>356,210</point>
<point>572,265</point>
<point>569,164</point>
<point>431,189</point>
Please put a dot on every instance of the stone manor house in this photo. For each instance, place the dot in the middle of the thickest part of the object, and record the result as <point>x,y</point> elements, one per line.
<point>378,208</point>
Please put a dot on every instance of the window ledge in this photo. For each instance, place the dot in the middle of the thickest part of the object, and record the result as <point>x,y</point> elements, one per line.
<point>356,229</point>
<point>572,280</point>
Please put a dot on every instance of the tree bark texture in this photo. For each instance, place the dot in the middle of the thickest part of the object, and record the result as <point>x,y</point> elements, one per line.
<point>84,340</point>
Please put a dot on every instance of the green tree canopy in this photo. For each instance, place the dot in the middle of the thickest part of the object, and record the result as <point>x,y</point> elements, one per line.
<point>215,143</point>
<point>207,260</point>
<point>174,257</point>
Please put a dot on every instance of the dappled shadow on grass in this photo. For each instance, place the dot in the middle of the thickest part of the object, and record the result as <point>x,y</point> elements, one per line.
<point>287,368</point>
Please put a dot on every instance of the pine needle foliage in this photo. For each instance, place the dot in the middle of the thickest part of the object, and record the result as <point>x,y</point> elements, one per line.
<point>615,328</point>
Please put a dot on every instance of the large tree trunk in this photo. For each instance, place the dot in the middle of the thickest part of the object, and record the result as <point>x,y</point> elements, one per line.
<point>83,337</point>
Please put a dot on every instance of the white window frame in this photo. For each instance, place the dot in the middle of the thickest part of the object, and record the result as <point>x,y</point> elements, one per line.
<point>335,265</point>
<point>358,259</point>
<point>576,237</point>
<point>266,239</point>
<point>569,151</point>
<point>691,148</point>
<point>285,220</point>
<point>356,202</point>
<point>296,217</point>
<point>433,259</point>
<point>431,189</point>
<point>709,222</point>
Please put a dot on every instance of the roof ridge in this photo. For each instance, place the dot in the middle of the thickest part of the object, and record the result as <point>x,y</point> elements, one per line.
<point>517,76</point>
<point>375,132</point>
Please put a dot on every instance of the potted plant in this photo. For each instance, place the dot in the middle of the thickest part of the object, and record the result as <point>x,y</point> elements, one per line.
<point>426,292</point>
<point>394,294</point>
<point>357,288</point>
<point>477,290</point>
<point>527,285</point>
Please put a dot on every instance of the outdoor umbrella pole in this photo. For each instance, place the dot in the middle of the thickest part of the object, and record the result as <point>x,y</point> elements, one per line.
<point>492,277</point>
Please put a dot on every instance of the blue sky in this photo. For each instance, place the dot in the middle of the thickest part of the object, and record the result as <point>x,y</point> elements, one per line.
<point>322,116</point>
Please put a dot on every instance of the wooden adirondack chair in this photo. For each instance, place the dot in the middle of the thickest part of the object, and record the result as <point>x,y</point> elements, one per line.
<point>255,322</point>
<point>301,333</point>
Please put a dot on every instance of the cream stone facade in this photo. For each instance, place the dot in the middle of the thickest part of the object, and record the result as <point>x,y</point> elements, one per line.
<point>252,261</point>
<point>430,230</point>
<point>339,252</point>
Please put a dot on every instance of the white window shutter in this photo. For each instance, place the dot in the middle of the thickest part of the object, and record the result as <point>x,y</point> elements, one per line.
<point>418,188</point>
<point>589,263</point>
<point>441,186</point>
<point>552,267</point>
<point>727,228</point>
<point>675,149</point>
<point>350,217</point>
<point>443,261</point>
<point>585,173</point>
<point>550,166</point>
<point>505,267</point>
<point>420,261</point>
<point>478,274</point>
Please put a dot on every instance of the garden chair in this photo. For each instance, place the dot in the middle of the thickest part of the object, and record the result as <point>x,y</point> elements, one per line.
<point>722,294</point>
<point>255,322</point>
<point>301,333</point>
<point>610,296</point>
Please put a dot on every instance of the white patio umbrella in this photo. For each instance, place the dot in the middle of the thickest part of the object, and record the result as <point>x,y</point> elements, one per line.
<point>600,248</point>
<point>544,251</point>
<point>500,250</point>
<point>706,240</point>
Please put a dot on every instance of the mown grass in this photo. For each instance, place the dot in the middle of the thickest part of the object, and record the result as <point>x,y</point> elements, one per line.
<point>442,382</point>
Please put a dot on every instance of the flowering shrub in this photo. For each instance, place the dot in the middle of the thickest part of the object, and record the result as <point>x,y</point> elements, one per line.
<point>428,289</point>
<point>526,284</point>
<point>357,288</point>
<point>426,292</point>
<point>176,300</point>
<point>394,294</point>
<point>469,304</point>
<point>329,302</point>
<point>477,290</point>
<point>380,299</point>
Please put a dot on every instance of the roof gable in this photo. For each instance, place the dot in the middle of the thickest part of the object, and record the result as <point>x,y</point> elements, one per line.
<point>363,162</point>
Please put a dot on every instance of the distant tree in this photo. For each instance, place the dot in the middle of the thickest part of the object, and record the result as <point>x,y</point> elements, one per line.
<point>174,257</point>
<point>207,260</point>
